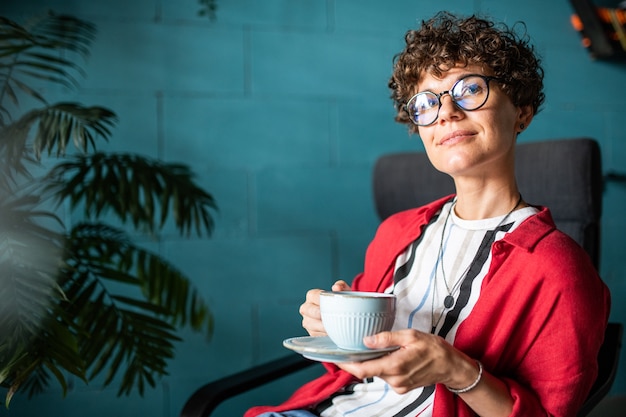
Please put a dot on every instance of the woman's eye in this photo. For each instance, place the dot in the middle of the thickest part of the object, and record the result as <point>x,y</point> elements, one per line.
<point>471,90</point>
<point>425,101</point>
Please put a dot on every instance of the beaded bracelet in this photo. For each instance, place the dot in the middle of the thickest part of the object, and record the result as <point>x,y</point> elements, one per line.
<point>472,385</point>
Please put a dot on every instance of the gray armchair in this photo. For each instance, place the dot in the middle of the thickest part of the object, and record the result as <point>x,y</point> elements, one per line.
<point>565,175</point>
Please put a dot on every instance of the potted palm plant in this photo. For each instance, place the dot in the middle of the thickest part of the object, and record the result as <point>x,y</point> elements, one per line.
<point>83,299</point>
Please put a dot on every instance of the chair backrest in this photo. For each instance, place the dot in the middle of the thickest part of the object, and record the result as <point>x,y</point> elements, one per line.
<point>563,174</point>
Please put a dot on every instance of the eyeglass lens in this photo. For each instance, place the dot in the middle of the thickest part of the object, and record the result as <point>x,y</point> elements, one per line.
<point>469,93</point>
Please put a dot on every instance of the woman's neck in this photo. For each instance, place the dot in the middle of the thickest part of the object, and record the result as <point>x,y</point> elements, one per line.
<point>484,205</point>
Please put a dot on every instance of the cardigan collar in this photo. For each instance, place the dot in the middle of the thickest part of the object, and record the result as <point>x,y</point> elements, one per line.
<point>411,223</point>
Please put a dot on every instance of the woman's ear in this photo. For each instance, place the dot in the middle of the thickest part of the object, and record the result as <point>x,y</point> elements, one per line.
<point>524,118</point>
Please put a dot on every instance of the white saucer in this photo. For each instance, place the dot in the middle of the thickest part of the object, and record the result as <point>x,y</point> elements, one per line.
<point>322,349</point>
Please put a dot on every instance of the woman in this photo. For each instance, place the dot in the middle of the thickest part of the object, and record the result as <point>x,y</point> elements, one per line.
<point>499,313</point>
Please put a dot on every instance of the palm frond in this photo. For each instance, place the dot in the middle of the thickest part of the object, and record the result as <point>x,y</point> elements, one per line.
<point>56,125</point>
<point>30,259</point>
<point>15,155</point>
<point>62,122</point>
<point>118,330</point>
<point>136,189</point>
<point>96,330</point>
<point>109,254</point>
<point>33,51</point>
<point>53,350</point>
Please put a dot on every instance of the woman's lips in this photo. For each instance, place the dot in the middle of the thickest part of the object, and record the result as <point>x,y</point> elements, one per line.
<point>454,137</point>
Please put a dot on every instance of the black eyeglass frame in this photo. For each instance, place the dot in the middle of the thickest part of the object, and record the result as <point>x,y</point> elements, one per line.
<point>486,78</point>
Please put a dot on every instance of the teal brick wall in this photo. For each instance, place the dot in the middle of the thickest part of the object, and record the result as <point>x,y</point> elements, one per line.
<point>281,108</point>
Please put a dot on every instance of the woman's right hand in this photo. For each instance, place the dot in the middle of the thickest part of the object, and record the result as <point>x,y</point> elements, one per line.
<point>310,310</point>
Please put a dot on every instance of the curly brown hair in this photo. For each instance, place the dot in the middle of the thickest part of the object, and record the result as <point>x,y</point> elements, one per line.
<point>446,41</point>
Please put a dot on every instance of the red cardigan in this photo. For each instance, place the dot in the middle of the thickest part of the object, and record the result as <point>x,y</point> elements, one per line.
<point>538,324</point>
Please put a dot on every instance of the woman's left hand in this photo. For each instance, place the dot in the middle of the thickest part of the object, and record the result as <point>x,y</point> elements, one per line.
<point>423,359</point>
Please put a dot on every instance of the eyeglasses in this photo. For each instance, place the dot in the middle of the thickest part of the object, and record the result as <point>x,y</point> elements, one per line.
<point>469,93</point>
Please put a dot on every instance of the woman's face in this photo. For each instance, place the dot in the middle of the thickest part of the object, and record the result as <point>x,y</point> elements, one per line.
<point>472,143</point>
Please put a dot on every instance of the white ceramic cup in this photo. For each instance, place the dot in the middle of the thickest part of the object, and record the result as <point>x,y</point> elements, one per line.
<point>349,316</point>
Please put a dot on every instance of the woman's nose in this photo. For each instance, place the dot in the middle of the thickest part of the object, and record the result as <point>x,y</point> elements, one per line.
<point>448,109</point>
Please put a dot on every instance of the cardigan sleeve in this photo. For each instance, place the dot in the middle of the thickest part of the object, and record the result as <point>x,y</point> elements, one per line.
<point>552,310</point>
<point>560,364</point>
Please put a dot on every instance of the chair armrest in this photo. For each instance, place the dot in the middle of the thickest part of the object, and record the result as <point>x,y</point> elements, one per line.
<point>208,397</point>
<point>608,360</point>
